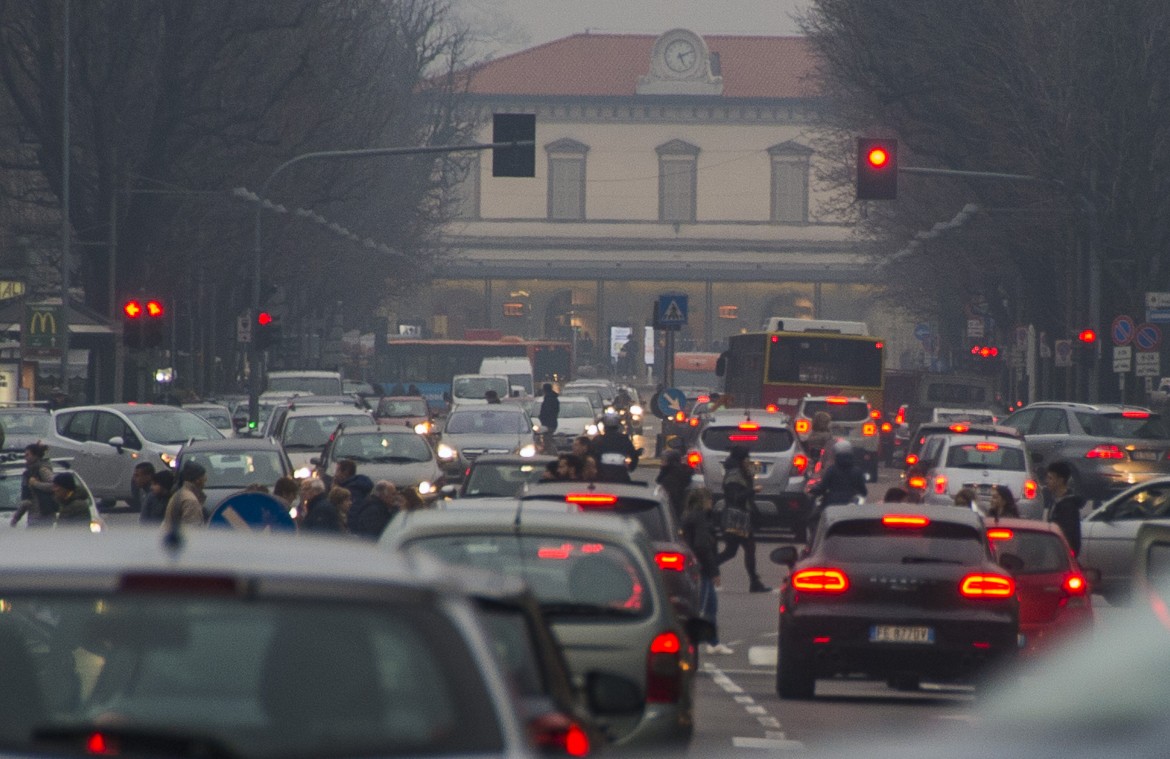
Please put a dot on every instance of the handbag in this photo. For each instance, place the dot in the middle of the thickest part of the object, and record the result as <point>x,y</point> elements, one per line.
<point>735,522</point>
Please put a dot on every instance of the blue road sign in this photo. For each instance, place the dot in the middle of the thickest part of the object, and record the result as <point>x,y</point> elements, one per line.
<point>253,511</point>
<point>672,400</point>
<point>671,310</point>
<point>1148,337</point>
<point>922,331</point>
<point>1123,329</point>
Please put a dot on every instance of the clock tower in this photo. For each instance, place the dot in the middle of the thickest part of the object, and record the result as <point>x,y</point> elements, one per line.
<point>680,64</point>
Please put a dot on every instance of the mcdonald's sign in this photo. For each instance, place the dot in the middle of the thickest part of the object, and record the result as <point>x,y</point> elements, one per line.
<point>42,330</point>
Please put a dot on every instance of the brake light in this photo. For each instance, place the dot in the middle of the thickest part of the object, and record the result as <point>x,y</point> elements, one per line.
<point>900,417</point>
<point>1030,489</point>
<point>904,520</point>
<point>560,552</point>
<point>703,399</point>
<point>987,447</point>
<point>911,459</point>
<point>869,429</point>
<point>799,463</point>
<point>960,428</point>
<point>97,743</point>
<point>775,338</point>
<point>1136,414</point>
<point>771,408</point>
<point>987,586</point>
<point>680,416</point>
<point>671,560</point>
<point>1075,585</point>
<point>1107,451</point>
<point>743,438</point>
<point>887,427</point>
<point>592,548</point>
<point>693,421</point>
<point>802,426</point>
<point>749,426</point>
<point>591,499</point>
<point>917,483</point>
<point>875,413</point>
<point>999,533</point>
<point>836,400</point>
<point>694,459</point>
<point>555,733</point>
<point>821,580</point>
<point>940,484</point>
<point>664,669</point>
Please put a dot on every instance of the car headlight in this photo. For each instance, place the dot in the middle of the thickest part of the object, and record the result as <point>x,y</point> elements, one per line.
<point>425,487</point>
<point>422,428</point>
<point>527,451</point>
<point>167,458</point>
<point>636,410</point>
<point>303,473</point>
<point>446,452</point>
<point>591,430</point>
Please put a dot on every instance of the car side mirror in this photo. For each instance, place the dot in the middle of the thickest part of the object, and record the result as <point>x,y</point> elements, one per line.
<point>117,442</point>
<point>448,490</point>
<point>786,555</point>
<point>1011,562</point>
<point>612,695</point>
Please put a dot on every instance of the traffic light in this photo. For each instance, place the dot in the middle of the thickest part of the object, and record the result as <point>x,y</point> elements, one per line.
<point>154,324</point>
<point>265,330</point>
<point>1087,340</point>
<point>518,161</point>
<point>984,351</point>
<point>132,324</point>
<point>877,169</point>
<point>1087,336</point>
<point>143,324</point>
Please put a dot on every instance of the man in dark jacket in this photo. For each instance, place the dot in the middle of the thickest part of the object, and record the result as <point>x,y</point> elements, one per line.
<point>1066,505</point>
<point>320,514</point>
<point>675,477</point>
<point>550,409</point>
<point>345,476</point>
<point>369,518</point>
<point>840,483</point>
<point>154,505</point>
<point>612,450</point>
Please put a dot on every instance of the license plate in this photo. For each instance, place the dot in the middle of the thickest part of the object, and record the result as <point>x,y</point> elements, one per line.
<point>900,634</point>
<point>1144,455</point>
<point>762,468</point>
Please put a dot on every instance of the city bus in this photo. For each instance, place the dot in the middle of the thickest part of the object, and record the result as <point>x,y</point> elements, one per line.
<point>430,364</point>
<point>792,358</point>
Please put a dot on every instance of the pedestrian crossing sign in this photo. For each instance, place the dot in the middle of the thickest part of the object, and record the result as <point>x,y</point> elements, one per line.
<point>671,311</point>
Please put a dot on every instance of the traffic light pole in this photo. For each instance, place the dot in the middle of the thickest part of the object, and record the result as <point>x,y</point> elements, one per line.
<point>258,248</point>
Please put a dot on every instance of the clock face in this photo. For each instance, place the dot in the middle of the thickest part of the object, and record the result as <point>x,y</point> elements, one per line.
<point>680,56</point>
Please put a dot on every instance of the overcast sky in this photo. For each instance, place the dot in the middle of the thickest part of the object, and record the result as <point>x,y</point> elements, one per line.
<point>506,26</point>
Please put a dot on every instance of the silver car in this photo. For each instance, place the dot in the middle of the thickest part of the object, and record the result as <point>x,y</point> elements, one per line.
<point>980,463</point>
<point>471,431</point>
<point>392,453</point>
<point>1109,534</point>
<point>105,443</point>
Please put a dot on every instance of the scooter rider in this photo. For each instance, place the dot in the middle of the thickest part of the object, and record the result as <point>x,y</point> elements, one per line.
<point>613,450</point>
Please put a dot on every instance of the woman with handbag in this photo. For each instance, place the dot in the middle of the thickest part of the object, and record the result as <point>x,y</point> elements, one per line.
<point>739,511</point>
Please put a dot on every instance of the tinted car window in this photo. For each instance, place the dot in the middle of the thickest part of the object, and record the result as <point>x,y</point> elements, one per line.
<point>78,426</point>
<point>1040,552</point>
<point>839,412</point>
<point>763,440</point>
<point>985,456</point>
<point>504,480</point>
<point>26,423</point>
<point>238,470</point>
<point>870,541</point>
<point>647,512</point>
<point>1136,425</point>
<point>1050,421</point>
<point>579,576</point>
<point>304,385</point>
<point>512,640</point>
<point>173,427</point>
<point>314,431</point>
<point>475,388</point>
<point>487,423</point>
<point>411,407</point>
<point>1022,420</point>
<point>380,447</point>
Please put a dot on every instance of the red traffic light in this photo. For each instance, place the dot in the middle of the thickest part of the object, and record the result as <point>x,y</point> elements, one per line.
<point>877,157</point>
<point>877,169</point>
<point>1087,336</point>
<point>132,309</point>
<point>154,308</point>
<point>985,351</point>
<point>264,318</point>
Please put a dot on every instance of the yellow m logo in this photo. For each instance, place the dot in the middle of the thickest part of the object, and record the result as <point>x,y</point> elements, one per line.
<point>42,322</point>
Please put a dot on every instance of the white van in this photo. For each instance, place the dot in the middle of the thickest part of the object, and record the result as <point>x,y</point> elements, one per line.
<point>283,385</point>
<point>517,369</point>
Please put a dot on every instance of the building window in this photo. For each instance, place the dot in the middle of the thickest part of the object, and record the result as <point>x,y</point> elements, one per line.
<point>790,170</point>
<point>566,180</point>
<point>677,181</point>
<point>465,190</point>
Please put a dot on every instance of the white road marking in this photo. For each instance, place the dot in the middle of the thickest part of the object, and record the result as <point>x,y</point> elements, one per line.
<point>755,709</point>
<point>744,700</point>
<point>775,737</point>
<point>767,743</point>
<point>768,721</point>
<point>762,656</point>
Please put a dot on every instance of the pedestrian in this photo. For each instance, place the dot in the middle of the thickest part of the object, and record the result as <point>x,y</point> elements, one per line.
<point>568,468</point>
<point>739,502</point>
<point>550,408</point>
<point>582,446</point>
<point>154,505</point>
<point>674,476</point>
<point>1066,505</point>
<point>186,503</point>
<point>140,484</point>
<point>699,534</point>
<point>819,436</point>
<point>319,514</point>
<point>36,488</point>
<point>966,497</point>
<point>1003,503</point>
<point>341,500</point>
<point>589,471</point>
<point>286,490</point>
<point>369,518</point>
<point>72,501</point>
<point>411,500</point>
<point>413,390</point>
<point>616,455</point>
<point>345,475</point>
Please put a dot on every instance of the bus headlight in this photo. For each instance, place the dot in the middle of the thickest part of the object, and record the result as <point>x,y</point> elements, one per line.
<point>527,451</point>
<point>446,452</point>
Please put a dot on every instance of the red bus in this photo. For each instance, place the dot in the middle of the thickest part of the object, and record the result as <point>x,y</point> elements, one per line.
<point>793,358</point>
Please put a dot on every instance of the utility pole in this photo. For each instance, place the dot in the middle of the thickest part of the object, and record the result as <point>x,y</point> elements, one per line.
<point>66,230</point>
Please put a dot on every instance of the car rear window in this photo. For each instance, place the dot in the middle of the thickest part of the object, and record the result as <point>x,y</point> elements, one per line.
<point>402,408</point>
<point>647,512</point>
<point>1040,552</point>
<point>237,469</point>
<point>762,440</point>
<point>488,422</point>
<point>987,455</point>
<point>1133,424</point>
<point>870,541</point>
<point>571,577</point>
<point>840,412</point>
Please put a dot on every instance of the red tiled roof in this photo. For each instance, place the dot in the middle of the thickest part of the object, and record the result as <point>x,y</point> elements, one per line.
<point>610,64</point>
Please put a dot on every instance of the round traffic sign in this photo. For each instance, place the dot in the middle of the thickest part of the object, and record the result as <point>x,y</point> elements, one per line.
<point>1147,337</point>
<point>1123,330</point>
<point>254,511</point>
<point>671,400</point>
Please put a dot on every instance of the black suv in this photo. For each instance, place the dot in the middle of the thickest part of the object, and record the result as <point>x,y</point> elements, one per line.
<point>1109,447</point>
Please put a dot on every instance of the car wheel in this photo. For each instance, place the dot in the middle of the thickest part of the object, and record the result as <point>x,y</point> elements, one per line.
<point>796,677</point>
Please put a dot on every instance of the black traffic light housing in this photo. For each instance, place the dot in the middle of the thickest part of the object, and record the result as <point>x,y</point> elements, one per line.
<point>877,169</point>
<point>266,330</point>
<point>519,161</point>
<point>143,323</point>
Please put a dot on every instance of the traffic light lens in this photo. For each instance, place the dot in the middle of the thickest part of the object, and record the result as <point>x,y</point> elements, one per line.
<point>132,309</point>
<point>154,308</point>
<point>878,157</point>
<point>1087,336</point>
<point>264,319</point>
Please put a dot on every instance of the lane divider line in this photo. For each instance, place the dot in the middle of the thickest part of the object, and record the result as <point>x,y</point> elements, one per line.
<point>774,737</point>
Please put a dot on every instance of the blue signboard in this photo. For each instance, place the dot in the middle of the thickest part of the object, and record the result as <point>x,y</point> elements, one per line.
<point>1122,330</point>
<point>671,401</point>
<point>671,311</point>
<point>1148,337</point>
<point>253,511</point>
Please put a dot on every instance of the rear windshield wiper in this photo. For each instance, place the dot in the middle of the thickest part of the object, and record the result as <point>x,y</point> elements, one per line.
<point>928,560</point>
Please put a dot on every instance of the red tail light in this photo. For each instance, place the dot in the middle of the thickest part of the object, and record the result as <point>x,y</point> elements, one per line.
<point>671,560</point>
<point>771,408</point>
<point>694,459</point>
<point>799,463</point>
<point>1136,414</point>
<point>911,459</point>
<point>940,484</point>
<point>562,551</point>
<point>820,580</point>
<point>1108,451</point>
<point>987,447</point>
<point>875,413</point>
<point>680,416</point>
<point>556,734</point>
<point>664,669</point>
<point>999,533</point>
<point>749,426</point>
<point>987,586</point>
<point>900,417</point>
<point>869,429</point>
<point>836,400</point>
<point>97,743</point>
<point>592,499</point>
<point>917,483</point>
<point>887,427</point>
<point>1075,585</point>
<point>741,438</point>
<point>693,421</point>
<point>703,399</point>
<point>802,426</point>
<point>960,428</point>
<point>905,520</point>
<point>1030,489</point>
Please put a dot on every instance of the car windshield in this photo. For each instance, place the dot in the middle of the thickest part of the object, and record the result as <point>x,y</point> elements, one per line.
<point>173,427</point>
<point>409,407</point>
<point>475,388</point>
<point>237,469</point>
<point>1130,424</point>
<point>963,415</point>
<point>219,418</point>
<point>866,541</point>
<point>839,412</point>
<point>487,422</point>
<point>381,447</point>
<point>646,512</point>
<point>503,479</point>
<point>758,440</point>
<point>240,677</point>
<point>575,410</point>
<point>1040,552</point>
<point>567,574</point>
<point>314,431</point>
<point>26,423</point>
<point>985,456</point>
<point>305,385</point>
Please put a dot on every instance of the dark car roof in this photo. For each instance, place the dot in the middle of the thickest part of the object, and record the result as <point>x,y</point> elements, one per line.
<point>834,514</point>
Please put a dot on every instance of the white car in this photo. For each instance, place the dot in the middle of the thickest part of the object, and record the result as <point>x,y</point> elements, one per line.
<point>981,462</point>
<point>11,472</point>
